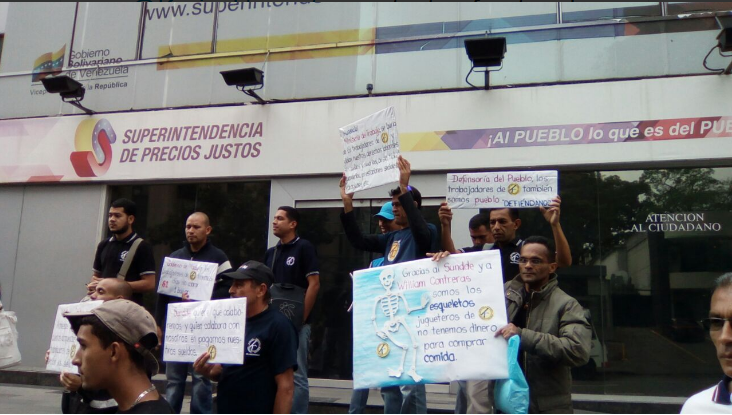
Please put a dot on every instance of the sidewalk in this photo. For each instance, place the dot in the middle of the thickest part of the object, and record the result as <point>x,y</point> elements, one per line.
<point>20,387</point>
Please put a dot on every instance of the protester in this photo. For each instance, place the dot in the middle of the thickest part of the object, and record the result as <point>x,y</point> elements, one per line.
<point>472,396</point>
<point>198,247</point>
<point>293,261</point>
<point>264,383</point>
<point>479,228</point>
<point>110,257</point>
<point>716,400</point>
<point>392,395</point>
<point>75,399</point>
<point>413,241</point>
<point>115,354</point>
<point>554,331</point>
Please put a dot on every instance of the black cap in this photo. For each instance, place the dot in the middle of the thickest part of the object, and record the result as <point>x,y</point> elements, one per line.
<point>253,270</point>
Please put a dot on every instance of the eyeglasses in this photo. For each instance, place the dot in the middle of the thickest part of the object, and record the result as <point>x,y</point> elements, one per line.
<point>715,323</point>
<point>409,188</point>
<point>533,261</point>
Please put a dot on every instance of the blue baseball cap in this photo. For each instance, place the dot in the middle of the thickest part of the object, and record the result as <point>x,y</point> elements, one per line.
<point>385,212</point>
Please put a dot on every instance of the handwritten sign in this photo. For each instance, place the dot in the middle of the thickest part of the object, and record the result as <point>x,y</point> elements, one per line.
<point>180,276</point>
<point>216,327</point>
<point>510,189</point>
<point>63,340</point>
<point>429,322</point>
<point>370,151</point>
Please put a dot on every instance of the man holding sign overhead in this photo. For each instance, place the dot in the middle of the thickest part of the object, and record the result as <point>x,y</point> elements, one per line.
<point>265,382</point>
<point>198,248</point>
<point>415,238</point>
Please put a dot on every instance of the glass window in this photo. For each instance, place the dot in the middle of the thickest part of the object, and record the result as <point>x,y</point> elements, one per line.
<point>178,29</point>
<point>646,246</point>
<point>31,49</point>
<point>581,12</point>
<point>697,6</point>
<point>105,33</point>
<point>238,212</point>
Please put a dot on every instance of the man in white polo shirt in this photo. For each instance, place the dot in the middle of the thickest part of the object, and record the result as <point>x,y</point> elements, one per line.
<point>716,400</point>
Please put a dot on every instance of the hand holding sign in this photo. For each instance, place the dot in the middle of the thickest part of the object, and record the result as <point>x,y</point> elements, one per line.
<point>405,171</point>
<point>551,213</point>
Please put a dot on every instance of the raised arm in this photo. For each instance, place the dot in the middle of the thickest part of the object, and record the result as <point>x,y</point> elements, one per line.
<point>551,214</point>
<point>370,243</point>
<point>417,224</point>
<point>445,214</point>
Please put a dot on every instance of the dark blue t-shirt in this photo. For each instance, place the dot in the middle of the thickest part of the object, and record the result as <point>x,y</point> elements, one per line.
<point>269,350</point>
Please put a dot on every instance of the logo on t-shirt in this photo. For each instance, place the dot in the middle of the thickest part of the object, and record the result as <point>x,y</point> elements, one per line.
<point>291,261</point>
<point>394,251</point>
<point>123,255</point>
<point>515,257</point>
<point>253,347</point>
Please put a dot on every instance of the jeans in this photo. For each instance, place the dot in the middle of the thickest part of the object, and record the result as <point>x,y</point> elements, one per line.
<point>201,400</point>
<point>301,397</point>
<point>414,399</point>
<point>392,396</point>
<point>461,400</point>
<point>392,400</point>
<point>359,398</point>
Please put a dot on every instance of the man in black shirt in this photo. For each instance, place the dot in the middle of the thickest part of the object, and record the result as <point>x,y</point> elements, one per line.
<point>294,261</point>
<point>115,354</point>
<point>264,383</point>
<point>197,248</point>
<point>111,252</point>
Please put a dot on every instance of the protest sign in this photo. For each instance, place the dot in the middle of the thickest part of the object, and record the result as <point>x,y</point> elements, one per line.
<point>370,151</point>
<point>508,189</point>
<point>63,340</point>
<point>429,322</point>
<point>196,278</point>
<point>216,327</point>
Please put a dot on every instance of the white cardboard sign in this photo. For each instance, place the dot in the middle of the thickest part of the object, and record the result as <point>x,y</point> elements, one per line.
<point>370,151</point>
<point>216,327</point>
<point>179,276</point>
<point>508,189</point>
<point>429,322</point>
<point>63,340</point>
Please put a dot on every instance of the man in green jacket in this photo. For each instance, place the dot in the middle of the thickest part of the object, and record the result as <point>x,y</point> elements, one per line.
<point>554,331</point>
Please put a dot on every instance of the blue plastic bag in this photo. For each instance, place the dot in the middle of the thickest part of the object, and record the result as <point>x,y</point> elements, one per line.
<point>511,396</point>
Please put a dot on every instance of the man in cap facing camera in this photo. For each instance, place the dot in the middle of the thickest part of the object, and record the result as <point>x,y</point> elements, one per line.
<point>115,341</point>
<point>265,382</point>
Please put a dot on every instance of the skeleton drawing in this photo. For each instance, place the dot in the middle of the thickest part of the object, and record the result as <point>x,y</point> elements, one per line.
<point>389,303</point>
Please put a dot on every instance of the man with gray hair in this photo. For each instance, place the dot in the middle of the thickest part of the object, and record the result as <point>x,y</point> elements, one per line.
<point>716,400</point>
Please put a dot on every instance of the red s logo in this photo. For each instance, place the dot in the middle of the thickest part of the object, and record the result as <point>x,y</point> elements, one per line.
<point>93,144</point>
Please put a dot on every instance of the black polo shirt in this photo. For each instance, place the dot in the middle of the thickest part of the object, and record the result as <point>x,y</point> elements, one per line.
<point>111,255</point>
<point>510,258</point>
<point>293,262</point>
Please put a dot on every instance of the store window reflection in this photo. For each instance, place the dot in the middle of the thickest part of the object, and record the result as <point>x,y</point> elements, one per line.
<point>646,246</point>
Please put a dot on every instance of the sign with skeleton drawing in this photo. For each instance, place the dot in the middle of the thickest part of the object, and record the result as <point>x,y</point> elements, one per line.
<point>429,322</point>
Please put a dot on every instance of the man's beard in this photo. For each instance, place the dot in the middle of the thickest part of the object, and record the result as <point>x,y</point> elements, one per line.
<point>120,231</point>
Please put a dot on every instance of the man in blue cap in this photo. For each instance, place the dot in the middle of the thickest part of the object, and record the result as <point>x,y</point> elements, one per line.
<point>392,395</point>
